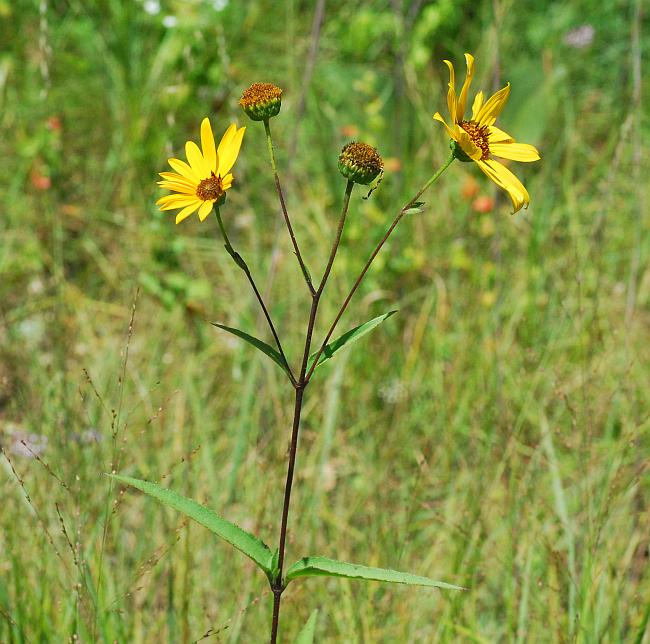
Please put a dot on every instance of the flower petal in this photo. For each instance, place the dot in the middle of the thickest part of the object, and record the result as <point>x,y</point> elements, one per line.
<point>166,199</point>
<point>185,170</point>
<point>493,106</point>
<point>174,176</point>
<point>515,151</point>
<point>477,105</point>
<point>450,131</point>
<point>196,160</point>
<point>178,187</point>
<point>227,181</point>
<point>498,173</point>
<point>498,136</point>
<point>468,146</point>
<point>451,92</point>
<point>187,211</point>
<point>205,209</point>
<point>229,151</point>
<point>176,201</point>
<point>226,138</point>
<point>462,99</point>
<point>207,145</point>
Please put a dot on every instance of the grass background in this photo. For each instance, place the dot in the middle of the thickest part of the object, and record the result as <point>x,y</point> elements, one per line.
<point>494,433</point>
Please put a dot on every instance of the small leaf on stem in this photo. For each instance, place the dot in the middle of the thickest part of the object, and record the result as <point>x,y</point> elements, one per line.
<point>349,336</point>
<point>258,344</point>
<point>415,208</point>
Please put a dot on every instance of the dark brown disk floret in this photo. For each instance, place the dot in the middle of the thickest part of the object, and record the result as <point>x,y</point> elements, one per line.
<point>210,189</point>
<point>479,135</point>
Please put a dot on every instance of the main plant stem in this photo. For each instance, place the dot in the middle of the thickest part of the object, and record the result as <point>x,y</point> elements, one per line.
<point>278,585</point>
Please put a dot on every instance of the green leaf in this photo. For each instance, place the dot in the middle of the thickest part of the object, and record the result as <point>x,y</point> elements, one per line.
<point>306,635</point>
<point>324,567</point>
<point>258,344</point>
<point>415,209</point>
<point>275,567</point>
<point>350,336</point>
<point>245,542</point>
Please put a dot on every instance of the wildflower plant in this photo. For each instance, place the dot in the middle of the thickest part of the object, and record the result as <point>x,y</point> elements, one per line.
<point>201,184</point>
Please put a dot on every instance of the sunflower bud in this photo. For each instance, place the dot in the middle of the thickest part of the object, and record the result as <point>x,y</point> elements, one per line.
<point>360,162</point>
<point>261,101</point>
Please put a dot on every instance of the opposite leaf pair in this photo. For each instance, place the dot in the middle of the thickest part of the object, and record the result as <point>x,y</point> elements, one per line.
<point>256,550</point>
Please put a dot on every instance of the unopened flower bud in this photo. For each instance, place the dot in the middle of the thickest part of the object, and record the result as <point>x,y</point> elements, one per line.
<point>360,162</point>
<point>261,101</point>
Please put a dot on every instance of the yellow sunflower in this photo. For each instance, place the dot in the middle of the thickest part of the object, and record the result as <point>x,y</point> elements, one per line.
<point>205,179</point>
<point>479,140</point>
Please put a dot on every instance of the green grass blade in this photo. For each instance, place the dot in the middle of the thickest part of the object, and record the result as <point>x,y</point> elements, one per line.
<point>306,635</point>
<point>324,567</point>
<point>348,337</point>
<point>643,626</point>
<point>243,541</point>
<point>257,343</point>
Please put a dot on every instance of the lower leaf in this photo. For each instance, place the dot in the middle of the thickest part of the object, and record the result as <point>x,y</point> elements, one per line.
<point>324,567</point>
<point>243,541</point>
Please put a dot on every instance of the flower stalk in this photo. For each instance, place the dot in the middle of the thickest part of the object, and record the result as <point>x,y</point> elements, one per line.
<point>285,213</point>
<point>239,260</point>
<point>436,175</point>
<point>278,585</point>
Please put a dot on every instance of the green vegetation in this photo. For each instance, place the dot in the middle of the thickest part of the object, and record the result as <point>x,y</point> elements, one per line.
<point>493,434</point>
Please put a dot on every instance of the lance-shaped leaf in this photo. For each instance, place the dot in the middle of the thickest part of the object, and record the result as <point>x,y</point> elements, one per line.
<point>245,542</point>
<point>306,635</point>
<point>324,567</point>
<point>258,344</point>
<point>350,336</point>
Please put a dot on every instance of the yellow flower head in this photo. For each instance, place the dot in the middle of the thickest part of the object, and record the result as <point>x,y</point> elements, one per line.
<point>479,140</point>
<point>205,178</point>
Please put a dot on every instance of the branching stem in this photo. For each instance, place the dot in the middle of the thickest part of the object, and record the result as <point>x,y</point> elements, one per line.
<point>374,254</point>
<point>278,585</point>
<point>239,260</point>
